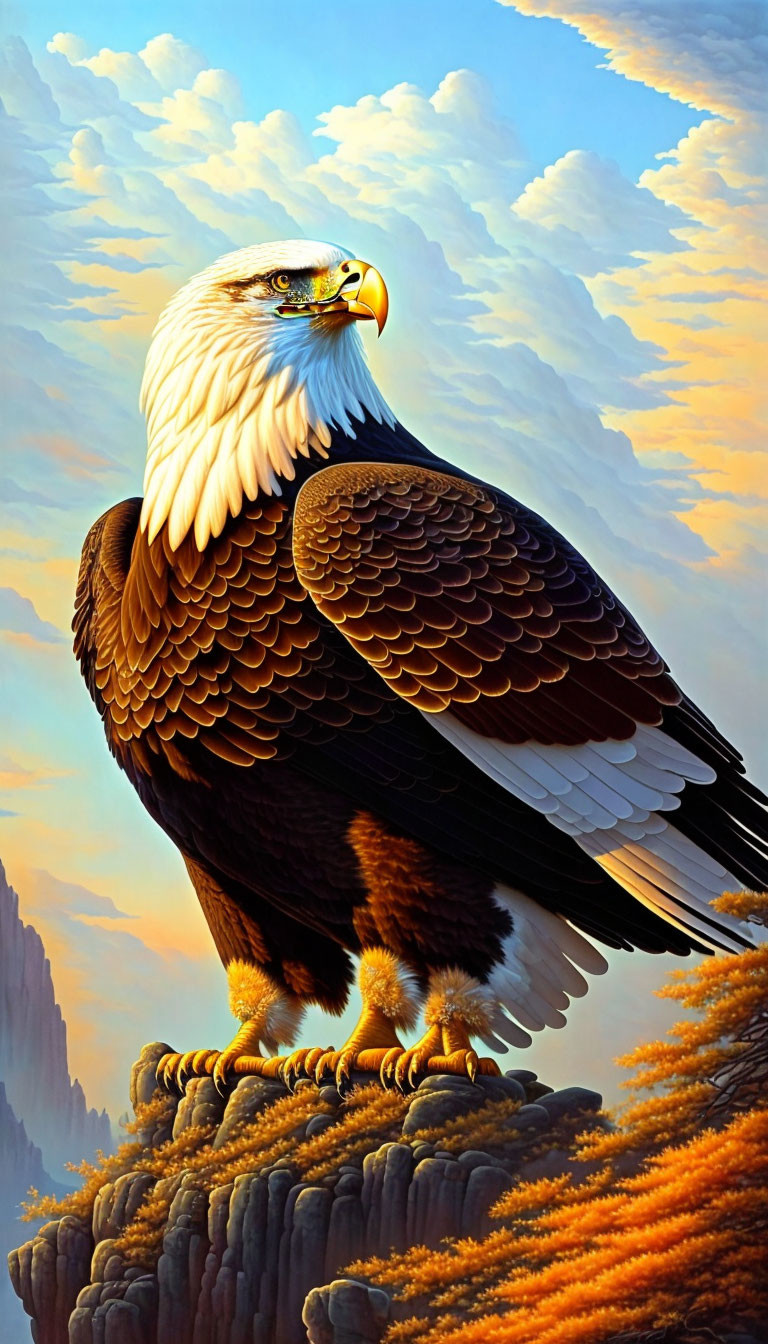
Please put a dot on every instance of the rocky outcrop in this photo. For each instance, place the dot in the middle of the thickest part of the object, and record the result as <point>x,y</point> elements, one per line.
<point>33,1049</point>
<point>260,1260</point>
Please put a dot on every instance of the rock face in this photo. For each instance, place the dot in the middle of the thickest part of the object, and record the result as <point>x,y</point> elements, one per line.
<point>21,1166</point>
<point>44,1120</point>
<point>21,1163</point>
<point>33,1049</point>
<point>258,1260</point>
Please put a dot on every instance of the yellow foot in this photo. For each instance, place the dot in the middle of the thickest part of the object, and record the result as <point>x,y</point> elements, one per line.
<point>440,1050</point>
<point>373,1037</point>
<point>332,1066</point>
<point>174,1069</point>
<point>301,1064</point>
<point>340,1063</point>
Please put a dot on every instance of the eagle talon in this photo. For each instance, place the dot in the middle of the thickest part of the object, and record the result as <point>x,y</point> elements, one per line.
<point>164,1070</point>
<point>326,1064</point>
<point>186,1066</point>
<point>312,1057</point>
<point>463,1062</point>
<point>174,1069</point>
<point>301,1064</point>
<point>387,1069</point>
<point>220,1071</point>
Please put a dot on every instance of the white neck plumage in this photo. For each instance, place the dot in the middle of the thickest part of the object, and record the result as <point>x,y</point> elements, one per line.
<point>232,398</point>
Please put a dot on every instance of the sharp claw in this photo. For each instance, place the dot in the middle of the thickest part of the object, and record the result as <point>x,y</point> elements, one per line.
<point>203,1062</point>
<point>164,1070</point>
<point>319,1070</point>
<point>342,1075</point>
<point>387,1070</point>
<point>310,1059</point>
<point>186,1063</point>
<point>220,1075</point>
<point>471,1063</point>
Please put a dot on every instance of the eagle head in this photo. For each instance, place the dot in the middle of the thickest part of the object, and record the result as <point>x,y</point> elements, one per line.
<point>254,362</point>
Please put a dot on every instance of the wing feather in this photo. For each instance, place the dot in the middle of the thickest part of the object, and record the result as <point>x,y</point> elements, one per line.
<point>481,616</point>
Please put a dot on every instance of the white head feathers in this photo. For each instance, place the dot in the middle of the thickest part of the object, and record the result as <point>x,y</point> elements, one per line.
<point>233,393</point>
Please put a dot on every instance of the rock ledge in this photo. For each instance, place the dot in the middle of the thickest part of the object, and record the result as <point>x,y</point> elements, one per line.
<point>261,1259</point>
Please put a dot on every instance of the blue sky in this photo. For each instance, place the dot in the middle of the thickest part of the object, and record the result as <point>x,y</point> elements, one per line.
<point>298,54</point>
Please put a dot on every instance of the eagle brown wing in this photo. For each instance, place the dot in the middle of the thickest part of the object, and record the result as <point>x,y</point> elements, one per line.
<point>465,602</point>
<point>221,647</point>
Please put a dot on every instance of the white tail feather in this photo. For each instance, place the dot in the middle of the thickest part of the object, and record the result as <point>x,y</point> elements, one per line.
<point>608,797</point>
<point>538,975</point>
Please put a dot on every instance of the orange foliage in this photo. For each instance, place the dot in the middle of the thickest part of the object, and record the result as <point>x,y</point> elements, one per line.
<point>669,1234</point>
<point>716,1063</point>
<point>679,1244</point>
<point>474,1129</point>
<point>370,1118</point>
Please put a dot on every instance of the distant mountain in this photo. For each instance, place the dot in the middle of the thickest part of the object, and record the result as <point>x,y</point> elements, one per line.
<point>20,1161</point>
<point>44,1119</point>
<point>21,1166</point>
<point>33,1050</point>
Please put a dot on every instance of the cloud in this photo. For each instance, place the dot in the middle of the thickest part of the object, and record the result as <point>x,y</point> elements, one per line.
<point>13,493</point>
<point>18,616</point>
<point>25,94</point>
<point>587,195</point>
<point>14,775</point>
<point>173,63</point>
<point>710,54</point>
<point>705,296</point>
<point>81,95</point>
<point>43,893</point>
<point>697,322</point>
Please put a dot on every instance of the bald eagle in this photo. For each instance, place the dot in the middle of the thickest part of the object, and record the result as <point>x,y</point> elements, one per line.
<point>383,709</point>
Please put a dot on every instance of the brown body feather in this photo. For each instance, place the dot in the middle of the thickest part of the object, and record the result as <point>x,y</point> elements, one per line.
<point>269,719</point>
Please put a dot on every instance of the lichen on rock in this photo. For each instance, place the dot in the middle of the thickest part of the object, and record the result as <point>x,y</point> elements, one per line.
<point>231,1219</point>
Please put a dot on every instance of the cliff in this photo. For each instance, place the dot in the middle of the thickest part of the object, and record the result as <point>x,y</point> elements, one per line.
<point>21,1167</point>
<point>230,1220</point>
<point>33,1049</point>
<point>21,1163</point>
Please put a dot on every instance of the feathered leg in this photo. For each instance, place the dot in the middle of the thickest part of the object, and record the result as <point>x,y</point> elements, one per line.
<point>390,1002</point>
<point>269,1016</point>
<point>457,1008</point>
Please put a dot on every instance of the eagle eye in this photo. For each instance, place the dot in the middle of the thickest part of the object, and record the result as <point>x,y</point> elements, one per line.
<point>281,282</point>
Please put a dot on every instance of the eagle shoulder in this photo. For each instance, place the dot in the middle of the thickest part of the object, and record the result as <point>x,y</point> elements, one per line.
<point>463,600</point>
<point>104,565</point>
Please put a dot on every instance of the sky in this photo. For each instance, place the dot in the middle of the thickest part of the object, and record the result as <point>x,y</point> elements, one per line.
<point>567,202</point>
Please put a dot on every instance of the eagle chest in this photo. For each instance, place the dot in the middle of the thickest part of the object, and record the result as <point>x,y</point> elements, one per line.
<point>216,647</point>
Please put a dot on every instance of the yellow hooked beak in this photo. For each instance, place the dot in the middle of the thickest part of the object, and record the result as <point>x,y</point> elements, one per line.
<point>357,289</point>
<point>365,293</point>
